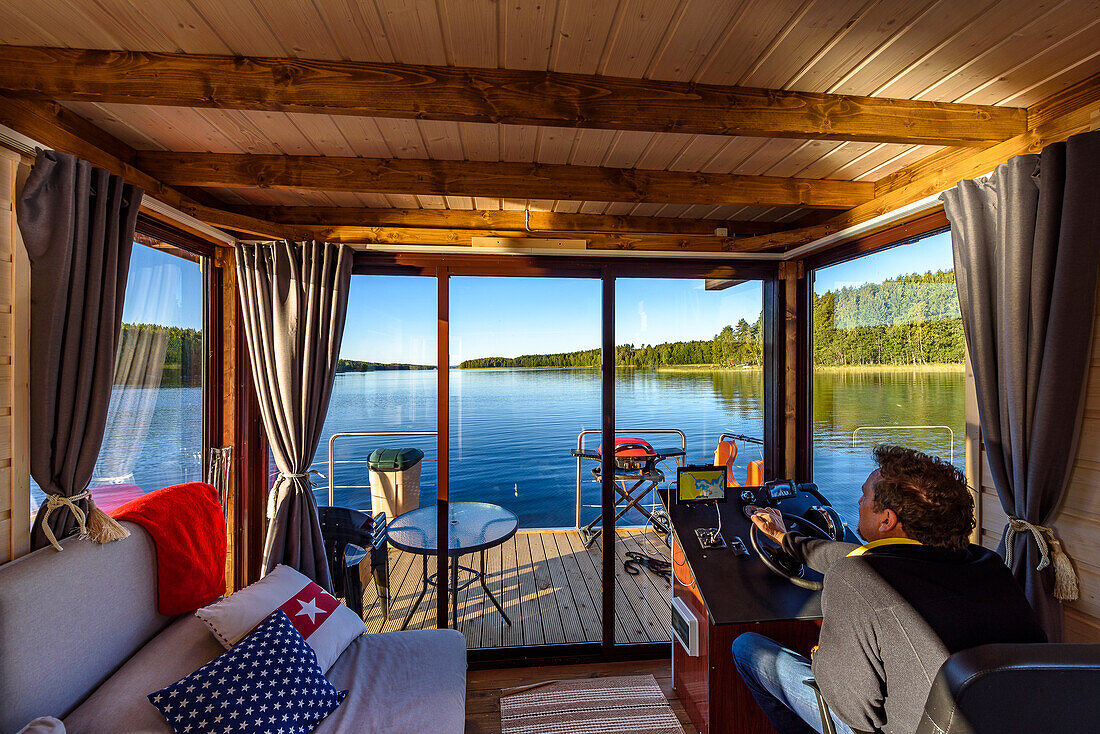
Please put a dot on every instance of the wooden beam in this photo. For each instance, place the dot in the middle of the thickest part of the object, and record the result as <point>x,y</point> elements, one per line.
<point>493,95</point>
<point>56,127</point>
<point>537,221</point>
<point>1054,120</point>
<point>463,237</point>
<point>718,284</point>
<point>510,180</point>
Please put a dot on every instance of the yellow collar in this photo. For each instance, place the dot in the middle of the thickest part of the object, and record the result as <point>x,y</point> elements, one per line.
<point>881,542</point>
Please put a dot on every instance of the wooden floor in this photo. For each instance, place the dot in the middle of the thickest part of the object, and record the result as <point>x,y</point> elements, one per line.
<point>548,583</point>
<point>483,688</point>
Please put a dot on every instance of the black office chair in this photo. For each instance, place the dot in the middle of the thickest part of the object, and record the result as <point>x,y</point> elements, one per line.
<point>341,527</point>
<point>1009,689</point>
<point>1049,688</point>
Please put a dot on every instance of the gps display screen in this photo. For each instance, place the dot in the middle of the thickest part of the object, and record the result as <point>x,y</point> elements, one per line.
<point>701,483</point>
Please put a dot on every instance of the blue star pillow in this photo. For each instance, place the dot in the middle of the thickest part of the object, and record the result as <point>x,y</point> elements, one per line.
<point>269,682</point>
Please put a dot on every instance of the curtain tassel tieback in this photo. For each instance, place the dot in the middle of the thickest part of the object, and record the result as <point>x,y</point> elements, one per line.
<point>96,525</point>
<point>1050,551</point>
<point>287,475</point>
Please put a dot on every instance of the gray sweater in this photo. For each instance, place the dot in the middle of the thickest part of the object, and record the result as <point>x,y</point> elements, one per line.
<point>893,615</point>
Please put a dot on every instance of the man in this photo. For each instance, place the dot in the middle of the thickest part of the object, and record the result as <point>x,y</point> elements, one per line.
<point>893,609</point>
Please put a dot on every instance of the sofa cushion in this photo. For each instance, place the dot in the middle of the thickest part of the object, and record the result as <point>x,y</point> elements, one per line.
<point>410,679</point>
<point>268,682</point>
<point>326,624</point>
<point>119,705</point>
<point>401,683</point>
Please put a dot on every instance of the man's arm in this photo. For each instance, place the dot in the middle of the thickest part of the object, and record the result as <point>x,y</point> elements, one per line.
<point>847,665</point>
<point>813,552</point>
<point>816,553</point>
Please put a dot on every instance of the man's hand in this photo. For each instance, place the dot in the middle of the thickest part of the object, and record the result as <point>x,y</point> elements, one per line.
<point>770,522</point>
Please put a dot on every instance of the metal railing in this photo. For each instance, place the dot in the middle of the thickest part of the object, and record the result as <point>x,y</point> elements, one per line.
<point>580,447</point>
<point>360,434</point>
<point>741,437</point>
<point>950,432</point>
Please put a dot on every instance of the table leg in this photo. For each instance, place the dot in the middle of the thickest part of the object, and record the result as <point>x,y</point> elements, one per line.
<point>454,592</point>
<point>420,598</point>
<point>488,593</point>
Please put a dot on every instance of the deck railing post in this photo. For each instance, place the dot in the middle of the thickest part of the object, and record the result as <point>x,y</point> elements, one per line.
<point>580,447</point>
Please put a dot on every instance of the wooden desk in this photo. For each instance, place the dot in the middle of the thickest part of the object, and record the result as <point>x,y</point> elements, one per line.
<point>730,594</point>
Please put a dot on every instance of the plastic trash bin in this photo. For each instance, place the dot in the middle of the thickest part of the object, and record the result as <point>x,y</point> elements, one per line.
<point>395,480</point>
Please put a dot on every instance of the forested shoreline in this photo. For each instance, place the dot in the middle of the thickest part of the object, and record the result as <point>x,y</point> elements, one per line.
<point>354,365</point>
<point>150,355</point>
<point>908,321</point>
<point>911,320</point>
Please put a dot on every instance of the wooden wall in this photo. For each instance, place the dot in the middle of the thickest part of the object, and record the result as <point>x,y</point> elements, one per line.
<point>14,342</point>
<point>1077,522</point>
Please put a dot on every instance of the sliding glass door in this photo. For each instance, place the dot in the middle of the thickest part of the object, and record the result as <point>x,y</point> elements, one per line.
<point>688,391</point>
<point>549,554</point>
<point>524,387</point>
<point>377,452</point>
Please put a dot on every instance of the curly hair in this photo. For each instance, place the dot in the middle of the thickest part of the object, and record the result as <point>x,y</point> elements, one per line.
<point>929,496</point>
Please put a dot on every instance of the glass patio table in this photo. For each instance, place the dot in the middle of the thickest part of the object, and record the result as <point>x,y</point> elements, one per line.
<point>473,527</point>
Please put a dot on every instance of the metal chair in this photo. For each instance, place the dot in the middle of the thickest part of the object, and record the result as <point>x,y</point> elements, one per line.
<point>827,725</point>
<point>353,538</point>
<point>635,461</point>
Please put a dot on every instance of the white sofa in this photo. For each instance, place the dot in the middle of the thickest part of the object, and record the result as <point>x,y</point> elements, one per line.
<point>80,639</point>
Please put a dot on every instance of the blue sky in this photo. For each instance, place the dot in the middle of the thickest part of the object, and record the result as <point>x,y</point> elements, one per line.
<point>162,289</point>
<point>507,317</point>
<point>393,318</point>
<point>931,253</point>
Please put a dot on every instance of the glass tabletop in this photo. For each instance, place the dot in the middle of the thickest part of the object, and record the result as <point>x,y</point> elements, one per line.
<point>473,526</point>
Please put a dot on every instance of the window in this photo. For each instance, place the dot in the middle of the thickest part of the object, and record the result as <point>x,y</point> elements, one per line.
<point>688,375</point>
<point>888,363</point>
<point>154,432</point>
<point>385,383</point>
<point>523,411</point>
<point>524,384</point>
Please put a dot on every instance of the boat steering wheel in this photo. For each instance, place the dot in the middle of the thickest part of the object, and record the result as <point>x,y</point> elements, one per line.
<point>780,562</point>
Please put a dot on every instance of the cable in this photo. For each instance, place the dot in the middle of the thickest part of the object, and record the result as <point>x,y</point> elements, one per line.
<point>656,566</point>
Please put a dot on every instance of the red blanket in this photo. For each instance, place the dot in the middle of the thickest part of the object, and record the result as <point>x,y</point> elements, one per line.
<point>188,529</point>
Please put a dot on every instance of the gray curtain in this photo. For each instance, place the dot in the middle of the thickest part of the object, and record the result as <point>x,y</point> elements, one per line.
<point>78,225</point>
<point>1026,255</point>
<point>294,298</point>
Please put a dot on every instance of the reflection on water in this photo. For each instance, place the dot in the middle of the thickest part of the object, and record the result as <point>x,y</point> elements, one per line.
<point>153,439</point>
<point>848,404</point>
<point>512,430</point>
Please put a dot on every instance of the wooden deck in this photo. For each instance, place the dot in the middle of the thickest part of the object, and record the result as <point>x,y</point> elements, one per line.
<point>547,582</point>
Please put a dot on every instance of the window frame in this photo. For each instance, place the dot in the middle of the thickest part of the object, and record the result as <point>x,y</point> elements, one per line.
<point>926,225</point>
<point>607,270</point>
<point>212,358</point>
<point>212,361</point>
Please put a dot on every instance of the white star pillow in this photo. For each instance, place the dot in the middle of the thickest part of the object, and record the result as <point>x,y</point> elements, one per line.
<point>327,625</point>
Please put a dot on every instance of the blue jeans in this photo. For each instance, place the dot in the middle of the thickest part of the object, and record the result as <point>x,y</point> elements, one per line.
<point>774,675</point>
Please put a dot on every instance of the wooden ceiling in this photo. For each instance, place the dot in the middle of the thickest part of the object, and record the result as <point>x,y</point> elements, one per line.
<point>755,115</point>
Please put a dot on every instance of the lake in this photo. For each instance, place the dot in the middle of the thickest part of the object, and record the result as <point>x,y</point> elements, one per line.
<point>512,430</point>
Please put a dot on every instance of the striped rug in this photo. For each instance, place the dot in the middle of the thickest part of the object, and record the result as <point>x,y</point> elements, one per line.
<point>623,705</point>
